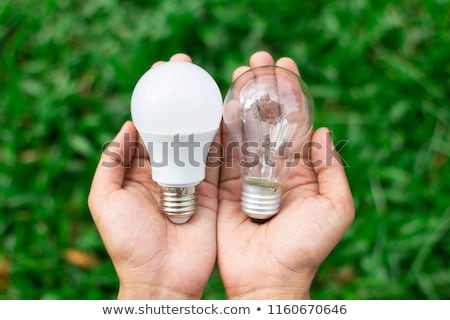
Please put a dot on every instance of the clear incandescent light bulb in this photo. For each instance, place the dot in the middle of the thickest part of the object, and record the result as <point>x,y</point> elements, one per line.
<point>176,108</point>
<point>269,111</point>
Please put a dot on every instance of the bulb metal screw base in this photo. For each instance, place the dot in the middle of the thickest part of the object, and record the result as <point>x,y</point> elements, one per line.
<point>178,203</point>
<point>260,202</point>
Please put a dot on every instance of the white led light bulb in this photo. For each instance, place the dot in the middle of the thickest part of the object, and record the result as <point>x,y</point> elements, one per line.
<point>176,108</point>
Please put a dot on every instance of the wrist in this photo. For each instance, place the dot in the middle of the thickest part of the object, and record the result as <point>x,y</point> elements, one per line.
<point>151,285</point>
<point>273,294</point>
<point>147,292</point>
<point>293,287</point>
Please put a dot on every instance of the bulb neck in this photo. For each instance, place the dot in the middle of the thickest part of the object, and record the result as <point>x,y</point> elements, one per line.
<point>178,203</point>
<point>260,202</point>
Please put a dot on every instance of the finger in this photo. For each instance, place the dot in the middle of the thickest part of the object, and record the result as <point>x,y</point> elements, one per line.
<point>294,99</point>
<point>181,57</point>
<point>214,160</point>
<point>331,176</point>
<point>289,64</point>
<point>230,171</point>
<point>175,57</point>
<point>232,117</point>
<point>261,58</point>
<point>142,149</point>
<point>230,182</point>
<point>157,63</point>
<point>114,161</point>
<point>240,70</point>
<point>207,204</point>
<point>232,135</point>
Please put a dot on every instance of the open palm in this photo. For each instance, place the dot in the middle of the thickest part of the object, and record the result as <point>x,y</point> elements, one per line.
<point>278,259</point>
<point>153,257</point>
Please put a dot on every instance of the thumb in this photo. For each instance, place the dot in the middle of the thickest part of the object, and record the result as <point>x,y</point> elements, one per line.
<point>113,163</point>
<point>327,164</point>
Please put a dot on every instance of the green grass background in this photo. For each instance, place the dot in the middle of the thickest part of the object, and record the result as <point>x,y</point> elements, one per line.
<point>379,74</point>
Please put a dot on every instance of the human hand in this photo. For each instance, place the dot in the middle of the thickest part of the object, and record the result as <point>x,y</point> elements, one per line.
<point>153,258</point>
<point>278,259</point>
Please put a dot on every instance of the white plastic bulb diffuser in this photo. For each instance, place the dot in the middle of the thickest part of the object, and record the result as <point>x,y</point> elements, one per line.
<point>268,111</point>
<point>176,108</point>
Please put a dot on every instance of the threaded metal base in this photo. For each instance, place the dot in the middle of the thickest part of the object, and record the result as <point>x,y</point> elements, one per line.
<point>178,203</point>
<point>260,202</point>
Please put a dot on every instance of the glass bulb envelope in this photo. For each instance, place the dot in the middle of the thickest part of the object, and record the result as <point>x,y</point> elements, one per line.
<point>269,112</point>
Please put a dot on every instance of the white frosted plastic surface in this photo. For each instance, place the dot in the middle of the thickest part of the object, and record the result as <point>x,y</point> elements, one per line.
<point>176,97</point>
<point>176,168</point>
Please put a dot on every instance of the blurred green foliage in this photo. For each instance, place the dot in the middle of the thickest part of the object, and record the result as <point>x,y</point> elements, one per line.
<point>379,74</point>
